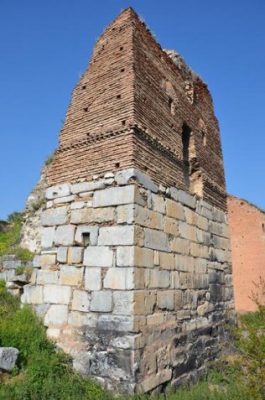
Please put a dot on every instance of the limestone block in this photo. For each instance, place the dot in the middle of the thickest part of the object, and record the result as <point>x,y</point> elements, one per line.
<point>93,278</point>
<point>75,255</point>
<point>57,315</point>
<point>54,216</point>
<point>77,319</point>
<point>159,279</point>
<point>187,199</point>
<point>125,256</point>
<point>187,231</point>
<point>144,302</point>
<point>91,215</point>
<point>155,319</point>
<point>8,358</point>
<point>58,191</point>
<point>140,278</point>
<point>80,301</point>
<point>202,223</point>
<point>117,323</point>
<point>47,237</point>
<point>64,235</point>
<point>165,299</point>
<point>126,214</point>
<point>47,260</point>
<point>181,246</point>
<point>167,260</point>
<point>65,199</point>
<point>123,342</point>
<point>143,257</point>
<point>203,237</point>
<point>45,277</point>
<point>101,301</point>
<point>123,177</point>
<point>198,250</point>
<point>62,254</point>
<point>77,205</point>
<point>32,295</point>
<point>174,210</point>
<point>158,203</point>
<point>178,299</point>
<point>98,256</point>
<point>114,196</point>
<point>186,280</point>
<point>57,294</point>
<point>119,278</point>
<point>156,240</point>
<point>91,230</point>
<point>205,308</point>
<point>123,302</point>
<point>116,235</point>
<point>87,186</point>
<point>148,218</point>
<point>171,226</point>
<point>70,275</point>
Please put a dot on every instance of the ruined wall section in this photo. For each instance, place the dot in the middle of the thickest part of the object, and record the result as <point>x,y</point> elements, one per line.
<point>247,228</point>
<point>167,95</point>
<point>133,280</point>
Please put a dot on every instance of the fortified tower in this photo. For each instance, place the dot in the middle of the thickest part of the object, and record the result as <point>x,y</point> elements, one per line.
<point>134,277</point>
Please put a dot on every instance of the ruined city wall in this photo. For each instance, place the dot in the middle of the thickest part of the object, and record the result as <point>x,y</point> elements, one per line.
<point>133,280</point>
<point>247,228</point>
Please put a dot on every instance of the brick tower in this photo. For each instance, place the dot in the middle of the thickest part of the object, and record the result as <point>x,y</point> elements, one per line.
<point>134,278</point>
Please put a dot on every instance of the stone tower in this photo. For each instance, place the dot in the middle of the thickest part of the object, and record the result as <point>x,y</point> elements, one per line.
<point>134,278</point>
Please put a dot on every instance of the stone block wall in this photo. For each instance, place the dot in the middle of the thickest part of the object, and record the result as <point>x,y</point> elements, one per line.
<point>133,279</point>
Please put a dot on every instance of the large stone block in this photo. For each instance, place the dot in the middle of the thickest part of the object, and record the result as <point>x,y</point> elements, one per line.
<point>87,231</point>
<point>159,279</point>
<point>58,191</point>
<point>98,256</point>
<point>80,301</point>
<point>167,260</point>
<point>119,279</point>
<point>158,203</point>
<point>156,240</point>
<point>91,215</point>
<point>47,237</point>
<point>64,235</point>
<point>116,235</point>
<point>32,295</point>
<point>123,302</point>
<point>8,358</point>
<point>56,315</point>
<point>114,196</point>
<point>62,254</point>
<point>174,210</point>
<point>87,186</point>
<point>45,277</point>
<point>54,216</point>
<point>47,260</point>
<point>149,218</point>
<point>75,255</point>
<point>57,294</point>
<point>93,278</point>
<point>101,301</point>
<point>126,214</point>
<point>71,276</point>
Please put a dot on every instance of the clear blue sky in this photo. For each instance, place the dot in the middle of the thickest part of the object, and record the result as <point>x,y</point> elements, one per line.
<point>45,46</point>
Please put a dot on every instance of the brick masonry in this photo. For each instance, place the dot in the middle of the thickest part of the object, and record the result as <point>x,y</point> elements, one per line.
<point>247,227</point>
<point>133,280</point>
<point>129,110</point>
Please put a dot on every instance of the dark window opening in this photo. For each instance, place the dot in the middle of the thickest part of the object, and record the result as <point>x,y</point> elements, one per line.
<point>263,227</point>
<point>118,96</point>
<point>186,154</point>
<point>86,109</point>
<point>84,87</point>
<point>122,70</point>
<point>121,48</point>
<point>117,165</point>
<point>86,238</point>
<point>123,122</point>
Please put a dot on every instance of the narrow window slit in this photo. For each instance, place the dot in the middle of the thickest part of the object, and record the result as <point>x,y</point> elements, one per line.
<point>86,238</point>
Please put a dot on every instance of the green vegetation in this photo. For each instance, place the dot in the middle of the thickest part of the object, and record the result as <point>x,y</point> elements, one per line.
<point>9,239</point>
<point>45,373</point>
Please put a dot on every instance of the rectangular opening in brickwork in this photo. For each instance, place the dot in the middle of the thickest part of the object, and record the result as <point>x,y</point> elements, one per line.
<point>186,154</point>
<point>86,238</point>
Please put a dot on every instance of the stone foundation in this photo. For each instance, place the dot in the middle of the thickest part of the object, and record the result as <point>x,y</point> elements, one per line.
<point>133,280</point>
